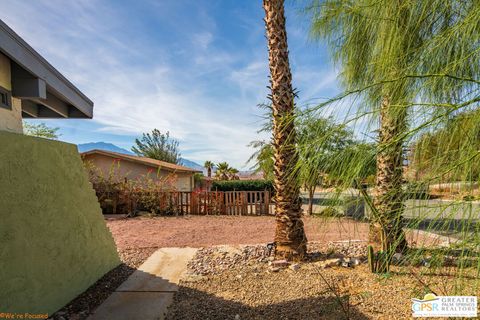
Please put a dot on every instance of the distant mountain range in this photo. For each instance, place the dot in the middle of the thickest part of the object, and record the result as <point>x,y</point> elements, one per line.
<point>84,147</point>
<point>191,164</point>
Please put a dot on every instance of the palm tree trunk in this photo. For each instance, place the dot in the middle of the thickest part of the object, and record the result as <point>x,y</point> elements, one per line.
<point>386,231</point>
<point>289,234</point>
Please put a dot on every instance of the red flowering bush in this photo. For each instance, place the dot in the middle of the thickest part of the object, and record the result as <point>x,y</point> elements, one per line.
<point>151,192</point>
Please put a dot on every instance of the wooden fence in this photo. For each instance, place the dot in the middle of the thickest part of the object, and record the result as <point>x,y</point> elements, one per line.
<point>195,203</point>
<point>231,202</point>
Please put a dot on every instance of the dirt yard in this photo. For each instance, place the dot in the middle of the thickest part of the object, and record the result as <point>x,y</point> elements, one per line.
<point>202,231</point>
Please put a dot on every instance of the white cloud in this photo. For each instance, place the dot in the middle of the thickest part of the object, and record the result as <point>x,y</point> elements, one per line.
<point>315,84</point>
<point>202,39</point>
<point>133,93</point>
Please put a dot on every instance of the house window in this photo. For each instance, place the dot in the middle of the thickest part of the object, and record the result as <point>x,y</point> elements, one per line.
<point>5,99</point>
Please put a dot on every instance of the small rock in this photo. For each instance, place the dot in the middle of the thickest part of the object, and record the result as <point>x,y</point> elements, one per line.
<point>271,258</point>
<point>346,264</point>
<point>295,267</point>
<point>237,317</point>
<point>238,276</point>
<point>449,261</point>
<point>274,269</point>
<point>426,263</point>
<point>329,263</point>
<point>397,257</point>
<point>280,263</point>
<point>355,261</point>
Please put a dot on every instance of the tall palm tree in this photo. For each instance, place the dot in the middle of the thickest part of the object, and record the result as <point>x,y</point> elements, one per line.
<point>209,166</point>
<point>290,236</point>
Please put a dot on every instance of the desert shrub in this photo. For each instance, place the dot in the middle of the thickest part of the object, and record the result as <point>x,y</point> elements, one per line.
<point>157,196</point>
<point>149,193</point>
<point>243,185</point>
<point>468,198</point>
<point>330,212</point>
<point>416,190</point>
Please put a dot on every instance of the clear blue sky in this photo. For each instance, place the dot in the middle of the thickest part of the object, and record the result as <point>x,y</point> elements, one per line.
<point>195,68</point>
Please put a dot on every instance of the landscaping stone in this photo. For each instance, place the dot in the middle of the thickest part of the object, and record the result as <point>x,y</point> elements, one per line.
<point>397,258</point>
<point>274,269</point>
<point>309,293</point>
<point>215,260</point>
<point>280,263</point>
<point>329,263</point>
<point>355,261</point>
<point>294,267</point>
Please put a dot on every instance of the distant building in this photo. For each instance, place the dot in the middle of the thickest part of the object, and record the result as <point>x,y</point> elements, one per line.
<point>250,175</point>
<point>134,167</point>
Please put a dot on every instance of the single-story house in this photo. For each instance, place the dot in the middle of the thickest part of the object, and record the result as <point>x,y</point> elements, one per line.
<point>133,167</point>
<point>30,87</point>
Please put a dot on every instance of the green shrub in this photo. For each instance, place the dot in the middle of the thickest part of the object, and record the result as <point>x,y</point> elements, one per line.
<point>330,212</point>
<point>243,185</point>
<point>416,190</point>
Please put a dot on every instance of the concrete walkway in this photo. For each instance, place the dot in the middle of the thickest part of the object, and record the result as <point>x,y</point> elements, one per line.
<point>148,292</point>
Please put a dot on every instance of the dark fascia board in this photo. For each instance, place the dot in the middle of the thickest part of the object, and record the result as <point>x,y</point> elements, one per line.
<point>13,46</point>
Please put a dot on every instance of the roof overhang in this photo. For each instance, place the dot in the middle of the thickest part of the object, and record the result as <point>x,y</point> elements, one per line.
<point>45,93</point>
<point>139,160</point>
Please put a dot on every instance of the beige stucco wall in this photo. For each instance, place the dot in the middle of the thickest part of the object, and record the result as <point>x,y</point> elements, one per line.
<point>10,120</point>
<point>133,171</point>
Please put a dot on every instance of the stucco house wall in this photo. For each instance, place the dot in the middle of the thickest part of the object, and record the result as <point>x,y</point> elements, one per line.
<point>54,240</point>
<point>133,171</point>
<point>10,120</point>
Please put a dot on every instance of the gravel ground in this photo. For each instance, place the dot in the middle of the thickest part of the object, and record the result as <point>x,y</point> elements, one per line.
<point>137,238</point>
<point>83,305</point>
<point>240,283</point>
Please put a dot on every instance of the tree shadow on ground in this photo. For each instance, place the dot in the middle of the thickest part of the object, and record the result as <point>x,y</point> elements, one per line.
<point>194,304</point>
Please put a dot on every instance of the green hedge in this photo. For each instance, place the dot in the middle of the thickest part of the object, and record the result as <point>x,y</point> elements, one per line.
<point>243,185</point>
